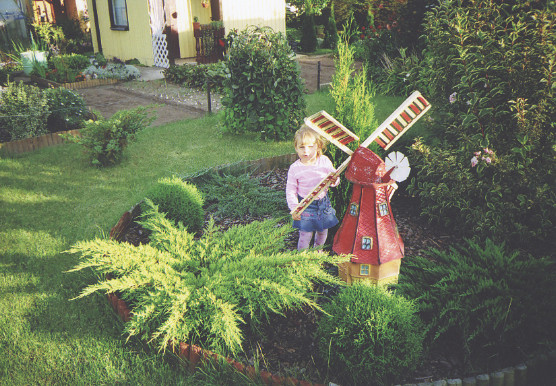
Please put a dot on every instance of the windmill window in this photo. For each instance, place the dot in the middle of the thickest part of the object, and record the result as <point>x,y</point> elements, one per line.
<point>367,243</point>
<point>118,15</point>
<point>353,209</point>
<point>383,209</point>
<point>364,269</point>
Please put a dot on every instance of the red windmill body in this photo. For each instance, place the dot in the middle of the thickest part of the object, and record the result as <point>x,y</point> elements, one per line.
<point>368,230</point>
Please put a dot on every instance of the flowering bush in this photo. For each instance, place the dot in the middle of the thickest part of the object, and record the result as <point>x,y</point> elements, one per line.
<point>67,109</point>
<point>491,71</point>
<point>113,71</point>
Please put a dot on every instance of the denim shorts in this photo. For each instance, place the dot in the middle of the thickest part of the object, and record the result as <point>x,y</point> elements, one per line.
<point>318,216</point>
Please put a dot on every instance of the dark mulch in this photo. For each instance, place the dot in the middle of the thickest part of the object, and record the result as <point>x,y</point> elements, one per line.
<point>286,346</point>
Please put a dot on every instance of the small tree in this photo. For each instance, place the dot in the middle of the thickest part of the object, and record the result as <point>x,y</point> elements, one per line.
<point>263,89</point>
<point>104,140</point>
<point>354,109</point>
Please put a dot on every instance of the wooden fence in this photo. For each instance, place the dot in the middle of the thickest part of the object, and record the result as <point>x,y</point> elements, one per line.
<point>35,143</point>
<point>73,85</point>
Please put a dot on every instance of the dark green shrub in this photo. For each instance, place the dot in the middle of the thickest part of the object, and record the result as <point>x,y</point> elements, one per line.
<point>67,109</point>
<point>248,197</point>
<point>76,62</point>
<point>180,201</point>
<point>479,302</point>
<point>203,291</point>
<point>196,76</point>
<point>105,140</point>
<point>331,31</point>
<point>263,90</point>
<point>401,74</point>
<point>308,34</point>
<point>23,111</point>
<point>370,336</point>
<point>491,70</point>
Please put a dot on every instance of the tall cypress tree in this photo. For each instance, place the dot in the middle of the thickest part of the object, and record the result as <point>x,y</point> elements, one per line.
<point>309,34</point>
<point>331,31</point>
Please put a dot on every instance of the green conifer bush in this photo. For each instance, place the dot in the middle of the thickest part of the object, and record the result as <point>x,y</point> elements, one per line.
<point>369,335</point>
<point>204,291</point>
<point>487,306</point>
<point>309,34</point>
<point>180,201</point>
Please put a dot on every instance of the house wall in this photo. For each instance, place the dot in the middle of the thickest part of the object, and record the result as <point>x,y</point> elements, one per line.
<point>136,43</point>
<point>240,14</point>
<point>125,45</point>
<point>236,14</point>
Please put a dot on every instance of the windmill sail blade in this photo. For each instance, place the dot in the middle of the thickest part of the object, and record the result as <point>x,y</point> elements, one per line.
<point>332,130</point>
<point>409,112</point>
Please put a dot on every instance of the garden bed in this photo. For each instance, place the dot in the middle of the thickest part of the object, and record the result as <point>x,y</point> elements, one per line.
<point>288,350</point>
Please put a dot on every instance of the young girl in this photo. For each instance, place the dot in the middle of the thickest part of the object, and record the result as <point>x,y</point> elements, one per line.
<point>303,175</point>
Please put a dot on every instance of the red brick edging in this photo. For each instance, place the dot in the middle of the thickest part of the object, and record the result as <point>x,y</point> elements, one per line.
<point>193,355</point>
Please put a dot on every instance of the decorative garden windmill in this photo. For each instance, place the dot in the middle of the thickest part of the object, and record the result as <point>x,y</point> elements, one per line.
<point>368,230</point>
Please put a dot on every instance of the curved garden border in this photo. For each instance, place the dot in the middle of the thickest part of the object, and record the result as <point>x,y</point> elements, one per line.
<point>540,370</point>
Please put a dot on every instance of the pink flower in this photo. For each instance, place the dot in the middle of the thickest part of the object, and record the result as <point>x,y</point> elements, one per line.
<point>452,97</point>
<point>474,162</point>
<point>477,153</point>
<point>487,160</point>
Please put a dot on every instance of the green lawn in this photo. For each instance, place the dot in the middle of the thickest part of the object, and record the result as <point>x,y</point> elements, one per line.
<point>51,198</point>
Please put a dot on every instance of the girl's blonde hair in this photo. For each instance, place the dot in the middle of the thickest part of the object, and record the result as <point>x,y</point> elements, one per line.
<point>306,134</point>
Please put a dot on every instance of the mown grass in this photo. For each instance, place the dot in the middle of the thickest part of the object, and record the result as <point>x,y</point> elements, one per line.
<point>51,198</point>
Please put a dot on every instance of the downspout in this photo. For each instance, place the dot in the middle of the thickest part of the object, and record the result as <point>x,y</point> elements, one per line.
<point>97,29</point>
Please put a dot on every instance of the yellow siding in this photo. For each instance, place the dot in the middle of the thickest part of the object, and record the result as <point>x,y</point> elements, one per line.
<point>135,43</point>
<point>237,14</point>
<point>240,14</point>
<point>187,10</point>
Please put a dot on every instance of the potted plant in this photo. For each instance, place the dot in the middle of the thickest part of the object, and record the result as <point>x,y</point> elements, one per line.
<point>196,24</point>
<point>33,58</point>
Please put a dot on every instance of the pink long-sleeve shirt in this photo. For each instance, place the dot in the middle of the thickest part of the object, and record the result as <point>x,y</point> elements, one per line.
<point>303,178</point>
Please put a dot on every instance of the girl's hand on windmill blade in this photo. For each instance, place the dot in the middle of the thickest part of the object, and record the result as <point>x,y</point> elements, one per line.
<point>296,216</point>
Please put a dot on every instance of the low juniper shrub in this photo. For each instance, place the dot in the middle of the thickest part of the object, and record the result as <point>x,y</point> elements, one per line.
<point>180,201</point>
<point>248,198</point>
<point>369,335</point>
<point>204,291</point>
<point>483,304</point>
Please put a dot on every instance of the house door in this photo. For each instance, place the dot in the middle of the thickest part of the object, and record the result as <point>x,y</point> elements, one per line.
<point>171,30</point>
